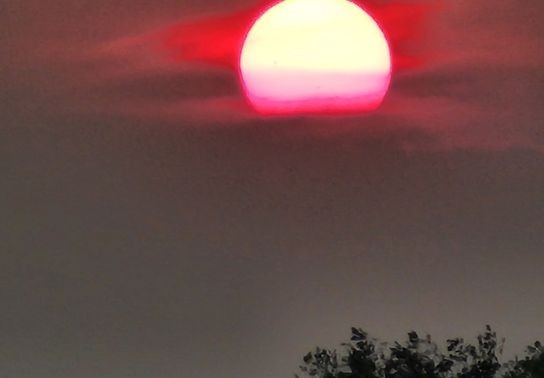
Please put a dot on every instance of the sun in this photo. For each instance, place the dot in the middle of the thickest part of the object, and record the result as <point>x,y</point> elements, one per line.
<point>314,56</point>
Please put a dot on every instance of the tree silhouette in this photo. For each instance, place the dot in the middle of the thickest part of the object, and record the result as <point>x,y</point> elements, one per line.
<point>365,357</point>
<point>531,366</point>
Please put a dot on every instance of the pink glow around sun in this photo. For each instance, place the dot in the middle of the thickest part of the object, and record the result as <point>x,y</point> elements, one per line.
<point>314,56</point>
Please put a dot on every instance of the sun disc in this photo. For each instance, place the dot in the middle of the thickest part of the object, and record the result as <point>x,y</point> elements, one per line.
<point>307,56</point>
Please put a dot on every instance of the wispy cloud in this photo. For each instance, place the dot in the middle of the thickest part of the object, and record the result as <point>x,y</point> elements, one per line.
<point>477,84</point>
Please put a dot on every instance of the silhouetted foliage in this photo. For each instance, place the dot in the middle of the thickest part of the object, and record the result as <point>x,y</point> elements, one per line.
<point>531,366</point>
<point>417,357</point>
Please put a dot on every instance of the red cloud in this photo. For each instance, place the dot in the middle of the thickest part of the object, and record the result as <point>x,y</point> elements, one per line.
<point>218,39</point>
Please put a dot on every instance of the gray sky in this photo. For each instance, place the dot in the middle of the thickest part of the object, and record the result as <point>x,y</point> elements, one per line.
<point>150,226</point>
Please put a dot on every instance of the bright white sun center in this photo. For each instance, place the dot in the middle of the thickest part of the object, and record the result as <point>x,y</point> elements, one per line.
<point>305,56</point>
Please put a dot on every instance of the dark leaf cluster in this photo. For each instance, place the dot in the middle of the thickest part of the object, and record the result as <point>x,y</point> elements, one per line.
<point>417,357</point>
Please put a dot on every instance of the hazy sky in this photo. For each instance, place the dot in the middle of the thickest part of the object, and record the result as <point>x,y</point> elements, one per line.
<point>151,226</point>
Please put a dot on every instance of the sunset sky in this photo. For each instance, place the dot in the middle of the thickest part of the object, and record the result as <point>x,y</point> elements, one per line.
<point>152,225</point>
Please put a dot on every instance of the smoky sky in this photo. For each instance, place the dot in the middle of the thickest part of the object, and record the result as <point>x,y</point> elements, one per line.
<point>152,225</point>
